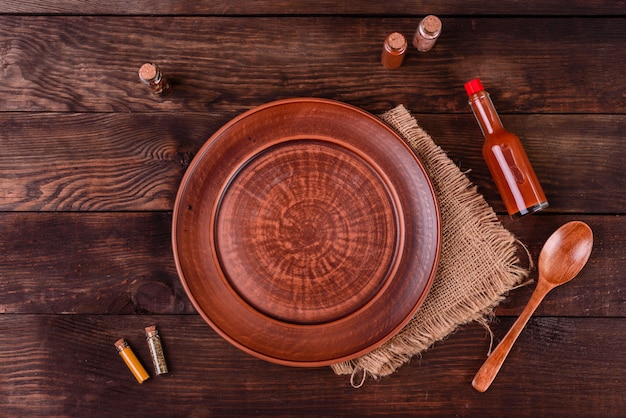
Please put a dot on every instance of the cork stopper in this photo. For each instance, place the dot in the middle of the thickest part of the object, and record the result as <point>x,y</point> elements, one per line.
<point>396,41</point>
<point>151,331</point>
<point>121,344</point>
<point>148,72</point>
<point>431,24</point>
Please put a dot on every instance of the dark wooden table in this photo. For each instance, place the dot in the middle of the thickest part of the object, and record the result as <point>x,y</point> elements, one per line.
<point>90,163</point>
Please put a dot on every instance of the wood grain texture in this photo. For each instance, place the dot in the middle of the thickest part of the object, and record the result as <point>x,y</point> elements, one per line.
<point>577,158</point>
<point>114,162</point>
<point>95,162</point>
<point>90,163</point>
<point>89,64</point>
<point>70,263</point>
<point>48,354</point>
<point>323,7</point>
<point>122,263</point>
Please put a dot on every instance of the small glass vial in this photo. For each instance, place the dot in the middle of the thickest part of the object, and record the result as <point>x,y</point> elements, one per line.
<point>156,350</point>
<point>394,50</point>
<point>132,362</point>
<point>427,33</point>
<point>151,75</point>
<point>505,157</point>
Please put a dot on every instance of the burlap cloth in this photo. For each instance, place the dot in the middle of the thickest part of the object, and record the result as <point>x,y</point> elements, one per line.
<point>477,267</point>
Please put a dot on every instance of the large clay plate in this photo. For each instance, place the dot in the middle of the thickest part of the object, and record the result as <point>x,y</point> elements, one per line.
<point>306,232</point>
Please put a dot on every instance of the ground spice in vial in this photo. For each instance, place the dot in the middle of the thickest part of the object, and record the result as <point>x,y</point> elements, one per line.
<point>156,350</point>
<point>394,50</point>
<point>427,33</point>
<point>131,361</point>
<point>151,75</point>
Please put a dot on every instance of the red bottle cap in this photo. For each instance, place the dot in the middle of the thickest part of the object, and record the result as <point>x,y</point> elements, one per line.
<point>473,86</point>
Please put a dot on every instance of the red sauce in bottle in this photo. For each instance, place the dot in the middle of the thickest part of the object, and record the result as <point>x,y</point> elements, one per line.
<point>505,157</point>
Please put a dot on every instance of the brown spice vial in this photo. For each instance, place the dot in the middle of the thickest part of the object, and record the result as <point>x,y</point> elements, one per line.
<point>427,33</point>
<point>394,50</point>
<point>151,75</point>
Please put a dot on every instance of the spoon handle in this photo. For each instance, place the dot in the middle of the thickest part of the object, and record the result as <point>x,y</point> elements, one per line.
<point>487,373</point>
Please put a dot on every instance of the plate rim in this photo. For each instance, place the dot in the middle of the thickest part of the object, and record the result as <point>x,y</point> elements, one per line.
<point>177,212</point>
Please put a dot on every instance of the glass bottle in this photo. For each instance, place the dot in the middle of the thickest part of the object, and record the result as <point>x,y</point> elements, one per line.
<point>156,350</point>
<point>151,75</point>
<point>132,362</point>
<point>428,30</point>
<point>394,50</point>
<point>505,157</point>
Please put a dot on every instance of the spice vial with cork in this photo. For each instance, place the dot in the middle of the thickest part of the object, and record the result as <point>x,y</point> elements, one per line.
<point>505,157</point>
<point>156,350</point>
<point>131,361</point>
<point>151,75</point>
<point>427,33</point>
<point>394,50</point>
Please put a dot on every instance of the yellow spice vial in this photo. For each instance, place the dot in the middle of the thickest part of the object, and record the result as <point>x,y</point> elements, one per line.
<point>131,361</point>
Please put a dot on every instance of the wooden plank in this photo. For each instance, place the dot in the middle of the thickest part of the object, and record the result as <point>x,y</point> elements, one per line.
<point>89,263</point>
<point>115,162</point>
<point>89,64</point>
<point>308,7</point>
<point>96,162</point>
<point>122,263</point>
<point>66,365</point>
<point>577,158</point>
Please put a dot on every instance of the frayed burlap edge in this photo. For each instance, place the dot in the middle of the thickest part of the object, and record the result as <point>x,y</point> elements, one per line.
<point>478,265</point>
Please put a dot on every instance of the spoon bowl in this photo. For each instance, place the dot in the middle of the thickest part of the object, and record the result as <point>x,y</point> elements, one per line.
<point>565,253</point>
<point>562,257</point>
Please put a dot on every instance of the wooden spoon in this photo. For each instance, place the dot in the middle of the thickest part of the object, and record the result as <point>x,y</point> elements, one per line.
<point>562,257</point>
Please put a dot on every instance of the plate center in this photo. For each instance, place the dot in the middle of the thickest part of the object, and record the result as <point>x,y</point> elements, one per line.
<point>307,232</point>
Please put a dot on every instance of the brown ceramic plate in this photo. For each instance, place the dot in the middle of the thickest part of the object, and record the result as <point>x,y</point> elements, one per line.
<point>306,232</point>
